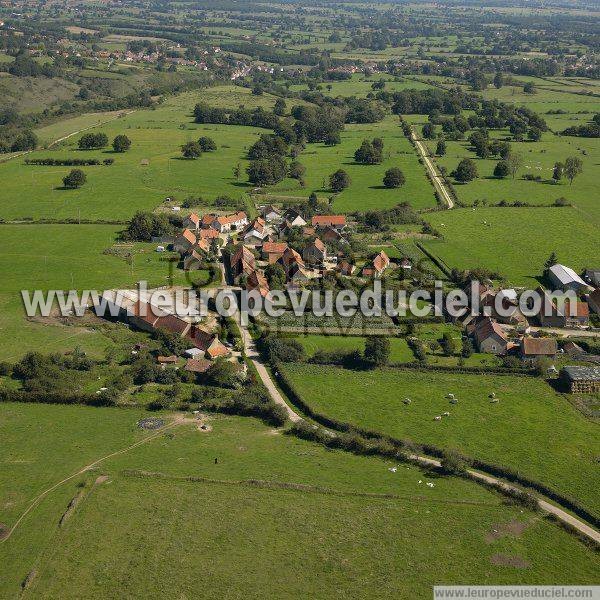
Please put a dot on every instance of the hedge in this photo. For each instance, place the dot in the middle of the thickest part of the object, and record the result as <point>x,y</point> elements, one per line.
<point>492,469</point>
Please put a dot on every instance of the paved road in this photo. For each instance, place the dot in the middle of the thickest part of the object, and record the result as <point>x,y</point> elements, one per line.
<point>438,182</point>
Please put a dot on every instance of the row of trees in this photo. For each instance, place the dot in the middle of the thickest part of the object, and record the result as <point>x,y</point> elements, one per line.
<point>94,141</point>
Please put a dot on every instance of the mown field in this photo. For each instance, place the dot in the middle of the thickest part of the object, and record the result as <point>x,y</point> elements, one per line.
<point>251,540</point>
<point>531,429</point>
<point>514,241</point>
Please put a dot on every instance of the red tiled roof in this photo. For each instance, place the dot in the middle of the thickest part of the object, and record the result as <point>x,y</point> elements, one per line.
<point>531,346</point>
<point>217,350</point>
<point>173,324</point>
<point>194,218</point>
<point>274,247</point>
<point>189,235</point>
<point>486,327</point>
<point>257,281</point>
<point>581,309</point>
<point>208,233</point>
<point>145,312</point>
<point>328,220</point>
<point>197,365</point>
<point>319,245</point>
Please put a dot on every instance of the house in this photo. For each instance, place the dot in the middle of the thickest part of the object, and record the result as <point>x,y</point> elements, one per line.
<point>315,253</point>
<point>583,380</point>
<point>197,365</point>
<point>345,268</point>
<point>337,222</point>
<point>489,336</point>
<point>144,315</point>
<point>208,234</point>
<point>298,274</point>
<point>208,343</point>
<point>255,232</point>
<point>270,214</point>
<point>569,315</point>
<point>290,259</point>
<point>193,261</point>
<point>532,348</point>
<point>593,301</point>
<point>242,262</point>
<point>376,268</point>
<point>225,223</point>
<point>257,281</point>
<point>577,314</point>
<point>185,241</point>
<point>192,221</point>
<point>293,218</point>
<point>272,251</point>
<point>167,360</point>
<point>329,234</point>
<point>564,278</point>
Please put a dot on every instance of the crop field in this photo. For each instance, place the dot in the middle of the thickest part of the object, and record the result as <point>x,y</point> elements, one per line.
<point>529,415</point>
<point>122,526</point>
<point>360,86</point>
<point>514,241</point>
<point>399,350</point>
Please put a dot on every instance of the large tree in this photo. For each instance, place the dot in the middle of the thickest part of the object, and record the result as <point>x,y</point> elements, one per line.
<point>76,178</point>
<point>121,143</point>
<point>394,178</point>
<point>191,150</point>
<point>377,350</point>
<point>466,170</point>
<point>339,180</point>
<point>573,167</point>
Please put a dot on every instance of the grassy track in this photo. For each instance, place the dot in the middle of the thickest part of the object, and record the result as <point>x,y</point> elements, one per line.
<point>249,540</point>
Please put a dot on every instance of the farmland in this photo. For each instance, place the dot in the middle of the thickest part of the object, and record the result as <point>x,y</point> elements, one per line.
<point>528,410</point>
<point>120,517</point>
<point>472,238</point>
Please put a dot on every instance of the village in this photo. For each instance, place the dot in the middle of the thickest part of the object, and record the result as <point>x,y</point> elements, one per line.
<point>285,249</point>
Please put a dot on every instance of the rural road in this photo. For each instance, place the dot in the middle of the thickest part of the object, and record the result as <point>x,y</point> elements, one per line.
<point>438,182</point>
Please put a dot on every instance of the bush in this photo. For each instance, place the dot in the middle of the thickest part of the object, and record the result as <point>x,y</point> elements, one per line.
<point>283,349</point>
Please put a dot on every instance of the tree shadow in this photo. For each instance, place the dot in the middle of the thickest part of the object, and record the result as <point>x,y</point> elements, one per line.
<point>381,187</point>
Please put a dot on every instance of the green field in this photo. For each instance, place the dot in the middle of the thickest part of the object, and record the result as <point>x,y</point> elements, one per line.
<point>531,429</point>
<point>64,257</point>
<point>399,350</point>
<point>514,241</point>
<point>366,191</point>
<point>248,539</point>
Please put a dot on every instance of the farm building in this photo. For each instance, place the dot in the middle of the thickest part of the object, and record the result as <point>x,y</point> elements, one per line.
<point>564,278</point>
<point>584,380</point>
<point>532,348</point>
<point>334,221</point>
<point>315,253</point>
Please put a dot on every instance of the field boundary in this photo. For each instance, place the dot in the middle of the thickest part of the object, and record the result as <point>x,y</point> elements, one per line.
<point>485,471</point>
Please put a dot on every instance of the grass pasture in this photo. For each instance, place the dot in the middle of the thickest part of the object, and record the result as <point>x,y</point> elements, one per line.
<point>248,539</point>
<point>529,415</point>
<point>66,257</point>
<point>514,241</point>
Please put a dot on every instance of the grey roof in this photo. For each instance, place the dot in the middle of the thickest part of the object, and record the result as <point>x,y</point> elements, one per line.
<point>582,373</point>
<point>566,275</point>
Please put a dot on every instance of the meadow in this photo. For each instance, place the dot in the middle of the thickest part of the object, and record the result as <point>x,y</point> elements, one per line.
<point>123,530</point>
<point>514,241</point>
<point>64,257</point>
<point>153,168</point>
<point>531,429</point>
